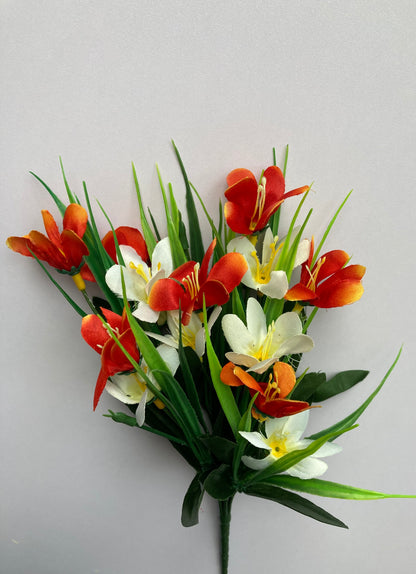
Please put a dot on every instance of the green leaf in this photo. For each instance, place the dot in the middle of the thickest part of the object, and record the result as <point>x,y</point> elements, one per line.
<point>328,229</point>
<point>307,386</point>
<point>329,489</point>
<point>192,502</point>
<point>338,384</point>
<point>222,448</point>
<point>189,381</point>
<point>216,232</point>
<point>61,206</point>
<point>74,305</point>
<point>71,196</point>
<point>178,254</point>
<point>147,231</point>
<point>195,237</point>
<point>295,502</point>
<point>122,418</point>
<point>354,416</point>
<point>219,483</point>
<point>224,393</point>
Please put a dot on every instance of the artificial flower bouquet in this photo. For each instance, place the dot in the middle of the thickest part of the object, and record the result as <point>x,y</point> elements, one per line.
<point>203,343</point>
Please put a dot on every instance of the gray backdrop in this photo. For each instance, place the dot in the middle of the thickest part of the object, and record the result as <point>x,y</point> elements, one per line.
<point>104,83</point>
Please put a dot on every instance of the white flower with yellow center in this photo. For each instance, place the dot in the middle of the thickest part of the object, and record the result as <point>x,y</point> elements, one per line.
<point>130,389</point>
<point>139,277</point>
<point>283,435</point>
<point>193,334</point>
<point>261,274</point>
<point>257,346</point>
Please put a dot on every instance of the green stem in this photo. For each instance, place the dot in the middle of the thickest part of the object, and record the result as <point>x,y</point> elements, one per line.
<point>225,519</point>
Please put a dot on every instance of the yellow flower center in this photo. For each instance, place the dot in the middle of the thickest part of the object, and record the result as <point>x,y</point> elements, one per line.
<point>259,207</point>
<point>263,352</point>
<point>278,446</point>
<point>264,270</point>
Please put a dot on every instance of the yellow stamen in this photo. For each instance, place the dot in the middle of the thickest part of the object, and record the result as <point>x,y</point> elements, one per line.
<point>191,282</point>
<point>139,270</point>
<point>312,276</point>
<point>263,352</point>
<point>264,270</point>
<point>259,207</point>
<point>79,281</point>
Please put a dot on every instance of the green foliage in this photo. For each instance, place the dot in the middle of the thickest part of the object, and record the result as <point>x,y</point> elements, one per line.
<point>295,502</point>
<point>338,384</point>
<point>192,502</point>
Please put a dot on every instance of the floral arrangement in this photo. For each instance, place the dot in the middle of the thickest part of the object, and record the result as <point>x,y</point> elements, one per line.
<point>203,345</point>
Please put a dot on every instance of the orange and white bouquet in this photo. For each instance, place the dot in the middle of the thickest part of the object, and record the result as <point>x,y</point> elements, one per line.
<point>203,343</point>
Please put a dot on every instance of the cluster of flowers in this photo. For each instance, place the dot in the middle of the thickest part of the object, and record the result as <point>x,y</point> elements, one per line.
<point>203,346</point>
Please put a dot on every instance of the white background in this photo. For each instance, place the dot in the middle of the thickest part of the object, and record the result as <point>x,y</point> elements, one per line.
<point>103,83</point>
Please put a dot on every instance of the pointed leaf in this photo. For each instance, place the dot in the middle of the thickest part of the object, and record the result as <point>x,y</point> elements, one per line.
<point>295,502</point>
<point>195,237</point>
<point>329,489</point>
<point>192,502</point>
<point>338,384</point>
<point>354,416</point>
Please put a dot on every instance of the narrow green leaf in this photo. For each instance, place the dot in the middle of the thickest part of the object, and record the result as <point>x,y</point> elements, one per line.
<point>328,229</point>
<point>244,425</point>
<point>154,224</point>
<point>219,483</point>
<point>132,422</point>
<point>338,384</point>
<point>60,204</point>
<point>71,196</point>
<point>329,489</point>
<point>354,416</point>
<point>74,305</point>
<point>189,381</point>
<point>195,237</point>
<point>216,232</point>
<point>192,503</point>
<point>147,231</point>
<point>178,254</point>
<point>295,502</point>
<point>224,393</point>
<point>237,305</point>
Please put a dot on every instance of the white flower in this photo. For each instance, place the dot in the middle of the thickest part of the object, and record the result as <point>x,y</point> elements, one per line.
<point>139,278</point>
<point>130,389</point>
<point>261,274</point>
<point>257,346</point>
<point>193,334</point>
<point>283,435</point>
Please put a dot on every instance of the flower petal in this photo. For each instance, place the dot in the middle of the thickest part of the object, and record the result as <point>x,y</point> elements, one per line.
<point>75,219</point>
<point>238,174</point>
<point>256,439</point>
<point>277,287</point>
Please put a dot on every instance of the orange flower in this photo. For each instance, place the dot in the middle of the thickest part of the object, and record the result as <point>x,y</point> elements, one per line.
<point>64,251</point>
<point>271,399</point>
<point>250,205</point>
<point>125,236</point>
<point>113,360</point>
<point>187,286</point>
<point>328,283</point>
